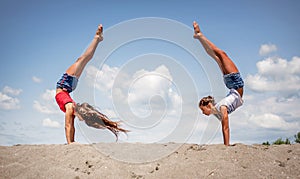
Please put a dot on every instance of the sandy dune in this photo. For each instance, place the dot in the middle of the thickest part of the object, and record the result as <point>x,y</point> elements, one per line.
<point>150,161</point>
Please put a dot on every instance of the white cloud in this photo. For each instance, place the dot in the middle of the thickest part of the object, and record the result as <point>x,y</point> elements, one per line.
<point>151,91</point>
<point>265,117</point>
<point>270,121</point>
<point>109,113</point>
<point>287,108</point>
<point>8,102</point>
<point>272,111</point>
<point>276,75</point>
<point>48,95</point>
<point>273,65</point>
<point>138,89</point>
<point>146,100</point>
<point>46,104</point>
<point>11,91</point>
<point>50,123</point>
<point>101,79</point>
<point>41,108</point>
<point>266,49</point>
<point>36,79</point>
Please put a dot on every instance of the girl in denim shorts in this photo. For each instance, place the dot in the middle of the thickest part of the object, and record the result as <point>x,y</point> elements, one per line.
<point>232,80</point>
<point>85,112</point>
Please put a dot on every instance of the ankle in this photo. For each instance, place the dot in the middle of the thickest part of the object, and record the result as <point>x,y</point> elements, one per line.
<point>198,36</point>
<point>99,38</point>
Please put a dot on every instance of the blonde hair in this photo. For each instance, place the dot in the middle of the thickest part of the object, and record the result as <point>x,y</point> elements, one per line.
<point>96,119</point>
<point>206,100</point>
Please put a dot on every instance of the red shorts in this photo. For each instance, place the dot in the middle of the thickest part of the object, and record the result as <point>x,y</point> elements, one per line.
<point>62,98</point>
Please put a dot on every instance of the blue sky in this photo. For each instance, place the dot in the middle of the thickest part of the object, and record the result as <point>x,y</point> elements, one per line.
<point>40,39</point>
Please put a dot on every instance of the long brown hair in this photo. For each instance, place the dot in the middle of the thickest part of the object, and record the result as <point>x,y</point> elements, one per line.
<point>96,119</point>
<point>206,100</point>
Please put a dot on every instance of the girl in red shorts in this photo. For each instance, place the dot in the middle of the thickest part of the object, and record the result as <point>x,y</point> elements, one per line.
<point>85,112</point>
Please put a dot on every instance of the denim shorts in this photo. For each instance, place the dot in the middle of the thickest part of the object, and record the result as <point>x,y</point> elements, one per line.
<point>67,82</point>
<point>233,81</point>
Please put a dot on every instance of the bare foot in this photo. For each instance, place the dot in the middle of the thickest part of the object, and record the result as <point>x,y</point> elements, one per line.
<point>99,33</point>
<point>197,32</point>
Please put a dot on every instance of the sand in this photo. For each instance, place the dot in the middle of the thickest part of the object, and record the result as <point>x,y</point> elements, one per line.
<point>120,160</point>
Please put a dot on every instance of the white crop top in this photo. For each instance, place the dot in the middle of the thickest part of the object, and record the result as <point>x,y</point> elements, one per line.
<point>232,101</point>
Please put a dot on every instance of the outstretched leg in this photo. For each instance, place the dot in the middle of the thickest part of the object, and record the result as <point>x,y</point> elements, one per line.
<point>77,68</point>
<point>225,63</point>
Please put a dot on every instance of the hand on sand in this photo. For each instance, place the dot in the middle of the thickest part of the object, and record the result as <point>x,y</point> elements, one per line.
<point>197,32</point>
<point>99,33</point>
<point>74,143</point>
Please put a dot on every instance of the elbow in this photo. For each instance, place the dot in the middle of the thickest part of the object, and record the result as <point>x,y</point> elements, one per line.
<point>226,128</point>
